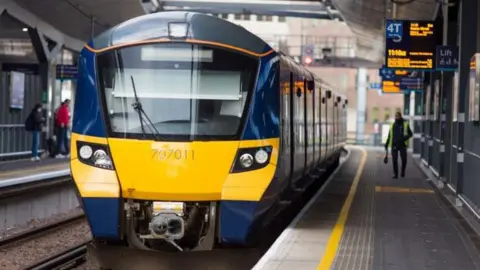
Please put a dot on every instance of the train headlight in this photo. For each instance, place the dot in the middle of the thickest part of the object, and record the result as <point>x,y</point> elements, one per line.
<point>246,160</point>
<point>94,155</point>
<point>85,152</point>
<point>101,159</point>
<point>253,158</point>
<point>261,156</point>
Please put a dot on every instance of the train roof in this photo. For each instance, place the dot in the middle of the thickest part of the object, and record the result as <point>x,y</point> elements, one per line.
<point>200,27</point>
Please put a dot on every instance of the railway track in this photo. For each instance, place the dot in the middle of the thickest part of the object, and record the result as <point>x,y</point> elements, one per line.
<point>40,230</point>
<point>68,259</point>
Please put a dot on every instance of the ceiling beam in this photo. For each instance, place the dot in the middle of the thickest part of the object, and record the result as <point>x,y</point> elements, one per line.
<point>236,4</point>
<point>300,9</point>
<point>296,14</point>
<point>29,19</point>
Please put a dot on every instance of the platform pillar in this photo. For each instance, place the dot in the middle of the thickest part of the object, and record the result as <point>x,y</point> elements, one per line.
<point>468,29</point>
<point>361,104</point>
<point>417,122</point>
<point>448,87</point>
<point>427,112</point>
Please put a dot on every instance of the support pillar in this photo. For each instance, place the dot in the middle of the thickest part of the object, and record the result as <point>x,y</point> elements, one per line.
<point>468,46</point>
<point>47,70</point>
<point>435,124</point>
<point>361,104</point>
<point>417,122</point>
<point>406,104</point>
<point>450,38</point>
<point>426,101</point>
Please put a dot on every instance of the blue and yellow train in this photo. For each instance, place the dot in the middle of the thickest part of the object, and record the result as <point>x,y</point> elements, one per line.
<point>189,132</point>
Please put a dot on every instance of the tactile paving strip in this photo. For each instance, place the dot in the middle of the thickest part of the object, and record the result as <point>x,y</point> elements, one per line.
<point>356,247</point>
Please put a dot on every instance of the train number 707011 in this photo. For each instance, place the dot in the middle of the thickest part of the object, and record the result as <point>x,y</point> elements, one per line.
<point>164,154</point>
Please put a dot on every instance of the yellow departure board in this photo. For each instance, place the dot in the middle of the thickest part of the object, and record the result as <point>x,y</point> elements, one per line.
<point>410,45</point>
<point>391,87</point>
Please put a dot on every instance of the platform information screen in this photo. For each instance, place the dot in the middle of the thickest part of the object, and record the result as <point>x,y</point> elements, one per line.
<point>410,45</point>
<point>391,87</point>
<point>405,80</point>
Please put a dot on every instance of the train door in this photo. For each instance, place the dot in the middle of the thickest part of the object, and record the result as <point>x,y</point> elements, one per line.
<point>318,124</point>
<point>335,123</point>
<point>299,130</point>
<point>311,125</point>
<point>304,124</point>
<point>327,127</point>
<point>287,146</point>
<point>314,126</point>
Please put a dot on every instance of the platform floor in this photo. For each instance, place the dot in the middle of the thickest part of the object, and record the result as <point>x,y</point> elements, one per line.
<point>20,168</point>
<point>365,219</point>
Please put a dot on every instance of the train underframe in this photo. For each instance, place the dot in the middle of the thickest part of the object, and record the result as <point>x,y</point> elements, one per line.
<point>170,226</point>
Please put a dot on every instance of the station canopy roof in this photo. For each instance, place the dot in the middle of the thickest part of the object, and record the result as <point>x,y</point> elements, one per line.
<point>365,17</point>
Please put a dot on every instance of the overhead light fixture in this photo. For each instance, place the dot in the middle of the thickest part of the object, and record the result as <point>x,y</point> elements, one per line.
<point>25,29</point>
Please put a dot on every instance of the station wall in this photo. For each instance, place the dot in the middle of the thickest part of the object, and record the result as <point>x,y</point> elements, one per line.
<point>13,137</point>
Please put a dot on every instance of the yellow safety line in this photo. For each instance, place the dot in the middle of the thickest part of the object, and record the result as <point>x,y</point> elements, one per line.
<point>403,190</point>
<point>36,169</point>
<point>337,232</point>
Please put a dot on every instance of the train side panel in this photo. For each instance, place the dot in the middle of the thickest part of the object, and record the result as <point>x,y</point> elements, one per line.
<point>238,218</point>
<point>98,189</point>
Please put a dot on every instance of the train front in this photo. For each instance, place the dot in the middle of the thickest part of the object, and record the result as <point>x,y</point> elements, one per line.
<point>175,141</point>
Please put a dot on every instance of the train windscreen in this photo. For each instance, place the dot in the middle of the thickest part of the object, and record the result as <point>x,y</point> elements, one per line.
<point>185,90</point>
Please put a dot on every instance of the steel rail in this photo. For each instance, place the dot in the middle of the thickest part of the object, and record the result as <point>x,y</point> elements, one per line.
<point>67,259</point>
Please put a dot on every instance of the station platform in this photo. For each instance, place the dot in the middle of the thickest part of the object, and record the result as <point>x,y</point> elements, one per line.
<point>23,168</point>
<point>364,219</point>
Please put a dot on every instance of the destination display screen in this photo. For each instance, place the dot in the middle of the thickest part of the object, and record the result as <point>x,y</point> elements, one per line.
<point>391,87</point>
<point>410,45</point>
<point>401,80</point>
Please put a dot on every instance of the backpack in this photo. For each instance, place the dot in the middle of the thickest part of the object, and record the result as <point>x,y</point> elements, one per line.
<point>30,122</point>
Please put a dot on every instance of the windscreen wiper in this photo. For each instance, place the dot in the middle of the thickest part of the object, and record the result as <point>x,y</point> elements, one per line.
<point>137,106</point>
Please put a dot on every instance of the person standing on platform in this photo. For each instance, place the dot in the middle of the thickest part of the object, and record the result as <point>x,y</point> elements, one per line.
<point>398,137</point>
<point>34,123</point>
<point>62,120</point>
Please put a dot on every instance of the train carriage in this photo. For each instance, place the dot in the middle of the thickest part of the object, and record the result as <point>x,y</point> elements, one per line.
<point>190,132</point>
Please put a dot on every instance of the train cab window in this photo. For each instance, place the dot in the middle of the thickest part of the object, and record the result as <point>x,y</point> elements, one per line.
<point>187,90</point>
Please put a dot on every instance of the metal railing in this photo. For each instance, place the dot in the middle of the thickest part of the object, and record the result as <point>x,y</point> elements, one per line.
<point>367,140</point>
<point>15,142</point>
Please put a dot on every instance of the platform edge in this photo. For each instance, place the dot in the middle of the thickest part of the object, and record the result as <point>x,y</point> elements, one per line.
<point>273,249</point>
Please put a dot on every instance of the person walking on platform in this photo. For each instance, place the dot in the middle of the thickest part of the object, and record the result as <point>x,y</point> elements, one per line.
<point>62,119</point>
<point>34,124</point>
<point>398,137</point>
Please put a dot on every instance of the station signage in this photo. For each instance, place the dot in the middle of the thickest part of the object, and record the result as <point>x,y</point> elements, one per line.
<point>447,58</point>
<point>405,80</point>
<point>375,86</point>
<point>410,45</point>
<point>391,87</point>
<point>67,72</point>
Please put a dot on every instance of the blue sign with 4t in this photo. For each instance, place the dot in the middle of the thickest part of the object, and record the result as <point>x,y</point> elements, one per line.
<point>394,29</point>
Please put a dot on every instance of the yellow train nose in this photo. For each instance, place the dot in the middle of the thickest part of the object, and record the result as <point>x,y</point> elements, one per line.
<point>187,171</point>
